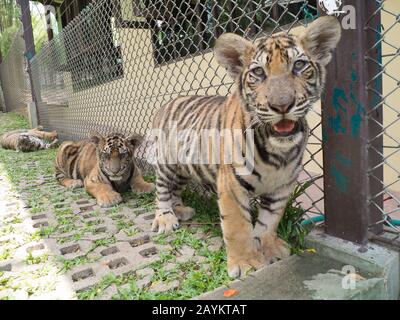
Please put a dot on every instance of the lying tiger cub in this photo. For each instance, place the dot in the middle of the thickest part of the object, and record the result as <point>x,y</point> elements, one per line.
<point>103,165</point>
<point>278,79</point>
<point>29,140</point>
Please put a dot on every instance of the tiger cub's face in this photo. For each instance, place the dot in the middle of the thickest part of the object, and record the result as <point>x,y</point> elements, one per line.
<point>115,154</point>
<point>280,77</point>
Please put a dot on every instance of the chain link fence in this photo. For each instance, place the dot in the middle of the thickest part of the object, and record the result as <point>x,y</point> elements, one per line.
<point>116,63</point>
<point>383,86</point>
<point>14,77</point>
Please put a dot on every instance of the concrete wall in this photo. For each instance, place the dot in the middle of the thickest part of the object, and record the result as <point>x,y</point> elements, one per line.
<point>129,103</point>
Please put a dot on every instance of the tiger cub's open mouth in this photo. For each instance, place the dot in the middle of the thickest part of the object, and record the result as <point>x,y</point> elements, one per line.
<point>284,127</point>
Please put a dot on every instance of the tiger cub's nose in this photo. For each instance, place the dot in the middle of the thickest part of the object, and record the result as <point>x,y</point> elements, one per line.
<point>281,108</point>
<point>115,167</point>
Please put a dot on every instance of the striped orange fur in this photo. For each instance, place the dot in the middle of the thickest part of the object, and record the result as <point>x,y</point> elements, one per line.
<point>103,165</point>
<point>278,79</point>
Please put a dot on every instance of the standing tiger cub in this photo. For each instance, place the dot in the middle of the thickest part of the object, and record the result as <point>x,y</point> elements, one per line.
<point>278,79</point>
<point>103,165</point>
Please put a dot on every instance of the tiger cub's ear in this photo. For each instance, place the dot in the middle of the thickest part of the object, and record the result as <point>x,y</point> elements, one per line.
<point>233,52</point>
<point>96,138</point>
<point>134,140</point>
<point>321,37</point>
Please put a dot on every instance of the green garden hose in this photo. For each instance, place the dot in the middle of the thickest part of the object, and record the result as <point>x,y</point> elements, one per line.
<point>395,222</point>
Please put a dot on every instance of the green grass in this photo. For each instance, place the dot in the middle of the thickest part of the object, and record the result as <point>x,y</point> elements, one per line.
<point>5,254</point>
<point>31,259</point>
<point>194,279</point>
<point>99,288</point>
<point>289,229</point>
<point>68,264</point>
<point>142,200</point>
<point>13,121</point>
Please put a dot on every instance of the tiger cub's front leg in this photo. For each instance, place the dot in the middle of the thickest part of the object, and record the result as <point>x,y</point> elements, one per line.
<point>271,210</point>
<point>138,184</point>
<point>103,192</point>
<point>170,208</point>
<point>237,228</point>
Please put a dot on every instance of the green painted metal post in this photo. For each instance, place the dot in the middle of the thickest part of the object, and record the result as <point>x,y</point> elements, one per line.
<point>346,131</point>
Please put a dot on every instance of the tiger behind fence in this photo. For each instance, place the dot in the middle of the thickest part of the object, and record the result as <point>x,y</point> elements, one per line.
<point>103,165</point>
<point>278,79</point>
<point>29,140</point>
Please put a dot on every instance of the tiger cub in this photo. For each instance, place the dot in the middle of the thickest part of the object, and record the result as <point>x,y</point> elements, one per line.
<point>29,140</point>
<point>103,165</point>
<point>278,79</point>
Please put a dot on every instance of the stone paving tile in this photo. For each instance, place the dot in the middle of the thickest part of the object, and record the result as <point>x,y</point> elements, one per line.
<point>161,287</point>
<point>216,243</point>
<point>81,244</point>
<point>26,271</point>
<point>144,282</point>
<point>108,293</point>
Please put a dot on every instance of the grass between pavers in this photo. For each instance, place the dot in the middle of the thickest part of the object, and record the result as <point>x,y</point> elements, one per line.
<point>194,277</point>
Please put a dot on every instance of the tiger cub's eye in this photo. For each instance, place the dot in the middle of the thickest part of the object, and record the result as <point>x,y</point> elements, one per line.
<point>299,65</point>
<point>258,71</point>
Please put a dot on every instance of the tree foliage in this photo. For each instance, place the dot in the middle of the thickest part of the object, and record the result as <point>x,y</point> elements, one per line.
<point>9,14</point>
<point>9,23</point>
<point>39,29</point>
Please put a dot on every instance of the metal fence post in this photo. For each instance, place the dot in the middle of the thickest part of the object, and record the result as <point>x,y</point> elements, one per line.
<point>2,102</point>
<point>346,131</point>
<point>29,47</point>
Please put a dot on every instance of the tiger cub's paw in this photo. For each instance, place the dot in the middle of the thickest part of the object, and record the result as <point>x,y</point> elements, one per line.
<point>164,221</point>
<point>53,145</point>
<point>184,213</point>
<point>240,266</point>
<point>274,249</point>
<point>109,199</point>
<point>144,187</point>
<point>74,183</point>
